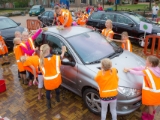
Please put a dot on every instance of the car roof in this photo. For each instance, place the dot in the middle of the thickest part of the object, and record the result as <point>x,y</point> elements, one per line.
<point>36,6</point>
<point>69,31</point>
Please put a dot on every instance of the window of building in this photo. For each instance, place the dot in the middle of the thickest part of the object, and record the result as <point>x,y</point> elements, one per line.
<point>83,1</point>
<point>72,1</point>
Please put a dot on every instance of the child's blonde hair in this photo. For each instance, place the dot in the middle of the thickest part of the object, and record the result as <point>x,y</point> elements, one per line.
<point>43,50</point>
<point>25,32</point>
<point>15,41</point>
<point>23,58</point>
<point>106,64</point>
<point>125,33</point>
<point>110,22</point>
<point>153,60</point>
<point>17,32</point>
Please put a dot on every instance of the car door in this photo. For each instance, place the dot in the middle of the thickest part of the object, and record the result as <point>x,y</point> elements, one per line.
<point>50,18</point>
<point>44,18</point>
<point>69,73</point>
<point>124,23</point>
<point>108,16</point>
<point>94,19</point>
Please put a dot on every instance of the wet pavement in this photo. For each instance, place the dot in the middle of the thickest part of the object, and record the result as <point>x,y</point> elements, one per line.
<point>20,102</point>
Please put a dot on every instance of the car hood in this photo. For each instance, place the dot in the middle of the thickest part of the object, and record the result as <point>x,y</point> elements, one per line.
<point>128,60</point>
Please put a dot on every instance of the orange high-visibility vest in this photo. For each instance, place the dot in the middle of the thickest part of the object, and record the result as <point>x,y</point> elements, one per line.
<point>18,53</point>
<point>51,72</point>
<point>65,13</point>
<point>3,47</point>
<point>151,88</point>
<point>31,60</point>
<point>31,44</point>
<point>107,33</point>
<point>127,46</point>
<point>108,83</point>
<point>25,46</point>
<point>82,20</point>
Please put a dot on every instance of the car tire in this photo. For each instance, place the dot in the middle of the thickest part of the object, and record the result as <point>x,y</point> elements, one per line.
<point>30,15</point>
<point>140,41</point>
<point>92,100</point>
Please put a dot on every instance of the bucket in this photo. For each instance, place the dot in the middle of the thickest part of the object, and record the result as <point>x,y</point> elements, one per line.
<point>2,86</point>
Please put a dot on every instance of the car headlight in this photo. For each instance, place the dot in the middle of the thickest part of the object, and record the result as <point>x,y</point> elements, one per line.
<point>25,29</point>
<point>129,92</point>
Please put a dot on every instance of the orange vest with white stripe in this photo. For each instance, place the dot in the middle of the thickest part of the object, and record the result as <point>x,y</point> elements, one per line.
<point>127,46</point>
<point>51,72</point>
<point>3,47</point>
<point>108,33</point>
<point>25,46</point>
<point>18,53</point>
<point>65,13</point>
<point>31,60</point>
<point>31,44</point>
<point>151,88</point>
<point>108,83</point>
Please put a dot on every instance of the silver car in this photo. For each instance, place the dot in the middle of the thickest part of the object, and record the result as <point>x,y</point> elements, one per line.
<point>85,49</point>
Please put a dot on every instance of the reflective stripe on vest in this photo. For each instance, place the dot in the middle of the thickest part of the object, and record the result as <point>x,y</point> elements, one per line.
<point>57,70</point>
<point>109,90</point>
<point>153,89</point>
<point>24,45</point>
<point>18,61</point>
<point>31,44</point>
<point>128,45</point>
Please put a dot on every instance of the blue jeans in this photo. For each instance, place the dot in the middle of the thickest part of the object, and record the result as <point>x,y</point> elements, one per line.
<point>154,16</point>
<point>48,92</point>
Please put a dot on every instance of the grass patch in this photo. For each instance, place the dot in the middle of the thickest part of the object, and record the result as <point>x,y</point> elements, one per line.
<point>132,7</point>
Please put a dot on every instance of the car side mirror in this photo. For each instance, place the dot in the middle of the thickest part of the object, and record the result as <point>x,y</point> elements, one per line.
<point>66,61</point>
<point>18,24</point>
<point>131,24</point>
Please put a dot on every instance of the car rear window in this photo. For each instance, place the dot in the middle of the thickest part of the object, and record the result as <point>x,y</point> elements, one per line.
<point>96,15</point>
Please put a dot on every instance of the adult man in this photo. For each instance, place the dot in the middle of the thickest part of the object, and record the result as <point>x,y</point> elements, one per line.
<point>63,17</point>
<point>155,10</point>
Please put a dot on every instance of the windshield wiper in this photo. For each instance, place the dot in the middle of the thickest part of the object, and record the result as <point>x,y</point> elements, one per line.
<point>94,62</point>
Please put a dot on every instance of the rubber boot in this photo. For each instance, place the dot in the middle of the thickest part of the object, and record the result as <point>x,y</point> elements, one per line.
<point>150,117</point>
<point>57,98</point>
<point>49,104</point>
<point>144,116</point>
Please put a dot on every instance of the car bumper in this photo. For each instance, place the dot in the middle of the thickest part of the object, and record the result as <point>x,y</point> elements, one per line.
<point>125,107</point>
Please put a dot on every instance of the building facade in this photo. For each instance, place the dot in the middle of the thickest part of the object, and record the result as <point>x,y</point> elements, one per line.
<point>76,3</point>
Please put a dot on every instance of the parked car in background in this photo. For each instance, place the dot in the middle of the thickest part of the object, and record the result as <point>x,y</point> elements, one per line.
<point>47,17</point>
<point>122,21</point>
<point>84,62</point>
<point>8,28</point>
<point>36,10</point>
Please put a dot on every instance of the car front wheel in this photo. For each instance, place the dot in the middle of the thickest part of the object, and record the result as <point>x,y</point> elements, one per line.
<point>92,100</point>
<point>141,43</point>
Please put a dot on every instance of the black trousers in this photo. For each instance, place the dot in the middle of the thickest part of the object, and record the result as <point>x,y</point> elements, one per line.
<point>48,92</point>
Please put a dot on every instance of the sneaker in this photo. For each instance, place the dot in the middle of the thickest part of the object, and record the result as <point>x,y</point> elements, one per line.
<point>30,83</point>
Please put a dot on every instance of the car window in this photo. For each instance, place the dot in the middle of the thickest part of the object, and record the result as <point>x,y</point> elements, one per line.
<point>96,16</point>
<point>123,19</point>
<point>39,40</point>
<point>83,46</point>
<point>51,14</point>
<point>108,16</point>
<point>7,23</point>
<point>45,14</point>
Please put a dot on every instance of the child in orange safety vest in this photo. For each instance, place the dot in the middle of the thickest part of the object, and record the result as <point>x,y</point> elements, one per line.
<point>18,34</point>
<point>18,53</point>
<point>126,44</point>
<point>108,32</point>
<point>107,80</point>
<point>151,85</point>
<point>50,68</point>
<point>82,19</point>
<point>3,52</point>
<point>31,64</point>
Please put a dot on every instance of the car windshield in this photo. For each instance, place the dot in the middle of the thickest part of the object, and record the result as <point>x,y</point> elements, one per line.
<point>35,7</point>
<point>138,18</point>
<point>90,46</point>
<point>7,23</point>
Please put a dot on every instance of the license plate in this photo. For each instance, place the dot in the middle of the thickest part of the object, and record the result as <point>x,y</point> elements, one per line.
<point>33,13</point>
